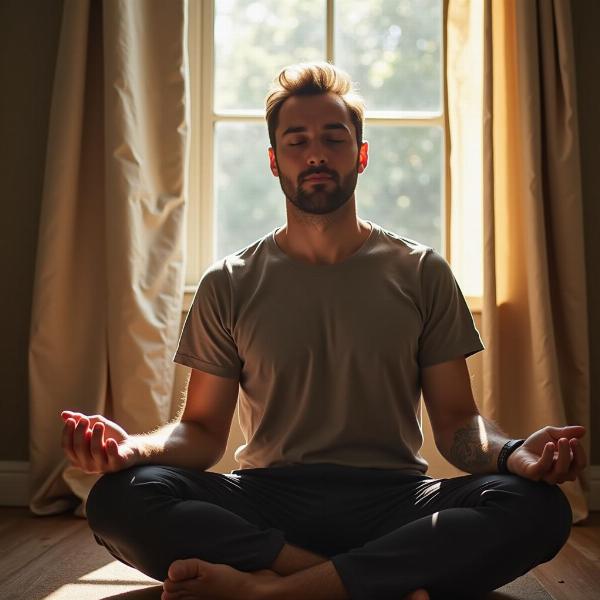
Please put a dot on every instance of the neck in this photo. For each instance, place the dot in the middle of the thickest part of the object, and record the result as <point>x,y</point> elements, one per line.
<point>322,239</point>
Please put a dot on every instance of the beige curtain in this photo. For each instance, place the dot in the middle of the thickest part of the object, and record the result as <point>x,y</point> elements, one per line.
<point>109,275</point>
<point>534,317</point>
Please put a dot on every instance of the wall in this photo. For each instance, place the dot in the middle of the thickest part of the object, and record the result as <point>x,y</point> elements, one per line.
<point>28,45</point>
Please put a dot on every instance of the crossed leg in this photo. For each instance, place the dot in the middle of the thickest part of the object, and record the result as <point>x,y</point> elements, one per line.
<point>486,532</point>
<point>295,574</point>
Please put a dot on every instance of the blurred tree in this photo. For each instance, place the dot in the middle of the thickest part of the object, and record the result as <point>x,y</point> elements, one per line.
<point>391,48</point>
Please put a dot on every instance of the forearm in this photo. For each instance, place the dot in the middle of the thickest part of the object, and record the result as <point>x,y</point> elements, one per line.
<point>472,445</point>
<point>180,444</point>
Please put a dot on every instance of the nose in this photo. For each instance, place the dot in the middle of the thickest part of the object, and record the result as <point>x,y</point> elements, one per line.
<point>316,154</point>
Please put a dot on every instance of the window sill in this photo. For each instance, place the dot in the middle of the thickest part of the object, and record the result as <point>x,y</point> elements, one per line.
<point>475,304</point>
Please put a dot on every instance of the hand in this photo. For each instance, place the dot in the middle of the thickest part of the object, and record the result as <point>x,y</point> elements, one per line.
<point>95,444</point>
<point>552,454</point>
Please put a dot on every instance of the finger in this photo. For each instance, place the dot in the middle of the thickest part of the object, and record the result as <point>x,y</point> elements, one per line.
<point>67,440</point>
<point>112,454</point>
<point>543,466</point>
<point>97,447</point>
<point>579,461</point>
<point>563,462</point>
<point>69,414</point>
<point>565,456</point>
<point>579,454</point>
<point>81,442</point>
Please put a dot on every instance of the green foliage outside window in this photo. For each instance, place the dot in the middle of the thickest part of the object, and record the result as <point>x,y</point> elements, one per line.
<point>391,48</point>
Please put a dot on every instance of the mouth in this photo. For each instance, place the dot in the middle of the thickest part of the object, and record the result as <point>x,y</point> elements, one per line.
<point>319,178</point>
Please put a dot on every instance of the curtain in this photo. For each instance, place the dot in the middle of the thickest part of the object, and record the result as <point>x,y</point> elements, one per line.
<point>534,314</point>
<point>109,277</point>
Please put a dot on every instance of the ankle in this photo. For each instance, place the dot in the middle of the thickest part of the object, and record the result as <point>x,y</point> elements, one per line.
<point>292,559</point>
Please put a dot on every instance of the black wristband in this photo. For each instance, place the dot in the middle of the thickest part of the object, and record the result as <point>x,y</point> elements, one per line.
<point>506,451</point>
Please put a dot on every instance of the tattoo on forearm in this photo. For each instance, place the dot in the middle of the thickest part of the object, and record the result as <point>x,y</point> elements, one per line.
<point>467,451</point>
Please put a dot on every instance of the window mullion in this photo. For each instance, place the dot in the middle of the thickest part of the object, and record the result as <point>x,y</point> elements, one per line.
<point>330,33</point>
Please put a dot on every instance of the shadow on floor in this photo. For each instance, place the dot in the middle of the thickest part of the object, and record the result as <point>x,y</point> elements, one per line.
<point>150,593</point>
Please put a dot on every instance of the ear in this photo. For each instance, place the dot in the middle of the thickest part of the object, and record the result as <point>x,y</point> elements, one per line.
<point>273,162</point>
<point>363,157</point>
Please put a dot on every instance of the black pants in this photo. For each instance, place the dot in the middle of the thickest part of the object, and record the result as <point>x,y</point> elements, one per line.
<point>386,532</point>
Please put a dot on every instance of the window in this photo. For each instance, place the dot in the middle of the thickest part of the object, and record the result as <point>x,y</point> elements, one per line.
<point>394,49</point>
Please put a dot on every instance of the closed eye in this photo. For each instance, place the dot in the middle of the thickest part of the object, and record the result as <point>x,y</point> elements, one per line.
<point>331,141</point>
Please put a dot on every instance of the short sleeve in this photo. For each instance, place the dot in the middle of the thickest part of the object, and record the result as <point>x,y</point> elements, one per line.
<point>448,328</point>
<point>206,342</point>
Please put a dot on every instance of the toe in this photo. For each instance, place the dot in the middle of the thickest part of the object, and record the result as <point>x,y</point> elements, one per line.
<point>171,596</point>
<point>186,569</point>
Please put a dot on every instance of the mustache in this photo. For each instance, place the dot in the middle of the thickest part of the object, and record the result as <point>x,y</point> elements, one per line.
<point>318,171</point>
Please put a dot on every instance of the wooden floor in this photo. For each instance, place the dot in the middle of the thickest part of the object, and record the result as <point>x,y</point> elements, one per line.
<point>56,558</point>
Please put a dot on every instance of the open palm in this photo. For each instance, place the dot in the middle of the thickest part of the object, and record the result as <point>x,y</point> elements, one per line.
<point>552,454</point>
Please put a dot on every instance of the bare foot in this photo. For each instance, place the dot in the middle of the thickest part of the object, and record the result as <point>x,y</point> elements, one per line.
<point>195,578</point>
<point>420,594</point>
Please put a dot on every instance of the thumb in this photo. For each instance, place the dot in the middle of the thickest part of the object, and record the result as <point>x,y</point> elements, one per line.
<point>568,431</point>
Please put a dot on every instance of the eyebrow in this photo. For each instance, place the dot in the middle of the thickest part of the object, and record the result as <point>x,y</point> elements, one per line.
<point>301,128</point>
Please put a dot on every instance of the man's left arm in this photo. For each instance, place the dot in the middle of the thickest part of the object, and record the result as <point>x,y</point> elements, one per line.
<point>472,443</point>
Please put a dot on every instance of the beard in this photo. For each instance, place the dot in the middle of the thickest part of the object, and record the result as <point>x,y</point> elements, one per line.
<point>315,198</point>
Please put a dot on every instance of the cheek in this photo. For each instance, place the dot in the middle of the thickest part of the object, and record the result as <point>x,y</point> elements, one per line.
<point>287,170</point>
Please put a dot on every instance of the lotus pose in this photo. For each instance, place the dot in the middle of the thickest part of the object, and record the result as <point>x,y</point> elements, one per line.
<point>325,332</point>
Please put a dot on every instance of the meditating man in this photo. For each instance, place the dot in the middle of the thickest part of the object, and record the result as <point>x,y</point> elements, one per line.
<point>326,330</point>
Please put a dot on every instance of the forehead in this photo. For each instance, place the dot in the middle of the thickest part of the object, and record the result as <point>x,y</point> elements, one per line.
<point>313,111</point>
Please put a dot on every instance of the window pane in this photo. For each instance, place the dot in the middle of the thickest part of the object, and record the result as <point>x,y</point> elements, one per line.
<point>393,50</point>
<point>401,189</point>
<point>249,201</point>
<point>254,40</point>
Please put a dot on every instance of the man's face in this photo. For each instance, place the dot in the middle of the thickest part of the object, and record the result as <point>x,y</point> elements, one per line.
<point>317,160</point>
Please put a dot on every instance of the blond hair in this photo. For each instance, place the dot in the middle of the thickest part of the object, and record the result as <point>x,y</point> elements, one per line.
<point>307,79</point>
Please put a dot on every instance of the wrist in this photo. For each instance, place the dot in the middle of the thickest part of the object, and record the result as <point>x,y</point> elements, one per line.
<point>137,451</point>
<point>505,463</point>
<point>509,463</point>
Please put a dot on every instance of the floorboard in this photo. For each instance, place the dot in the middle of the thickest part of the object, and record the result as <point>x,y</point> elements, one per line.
<point>574,573</point>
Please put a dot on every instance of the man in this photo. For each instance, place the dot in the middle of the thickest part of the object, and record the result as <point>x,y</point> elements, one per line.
<point>329,328</point>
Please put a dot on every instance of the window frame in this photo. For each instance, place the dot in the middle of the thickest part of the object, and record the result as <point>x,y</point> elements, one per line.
<point>201,169</point>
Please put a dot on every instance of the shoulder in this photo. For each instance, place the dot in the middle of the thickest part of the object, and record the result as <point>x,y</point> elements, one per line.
<point>406,249</point>
<point>236,266</point>
<point>419,264</point>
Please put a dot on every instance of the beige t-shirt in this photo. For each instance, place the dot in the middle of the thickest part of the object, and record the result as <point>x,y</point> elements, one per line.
<point>328,356</point>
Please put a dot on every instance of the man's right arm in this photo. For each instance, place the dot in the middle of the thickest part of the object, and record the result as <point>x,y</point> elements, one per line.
<point>195,440</point>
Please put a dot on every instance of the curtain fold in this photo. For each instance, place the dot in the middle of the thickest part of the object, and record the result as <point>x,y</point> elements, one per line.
<point>109,279</point>
<point>536,368</point>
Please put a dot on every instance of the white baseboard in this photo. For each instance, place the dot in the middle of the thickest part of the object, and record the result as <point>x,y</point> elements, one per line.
<point>14,484</point>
